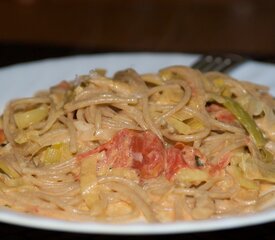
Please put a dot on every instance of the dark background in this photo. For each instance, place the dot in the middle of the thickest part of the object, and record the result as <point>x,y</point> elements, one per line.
<point>37,29</point>
<point>260,232</point>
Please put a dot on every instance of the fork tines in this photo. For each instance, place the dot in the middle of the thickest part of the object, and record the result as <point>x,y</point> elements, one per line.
<point>217,63</point>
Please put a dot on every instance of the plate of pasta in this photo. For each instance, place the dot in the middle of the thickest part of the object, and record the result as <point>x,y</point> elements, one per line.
<point>136,144</point>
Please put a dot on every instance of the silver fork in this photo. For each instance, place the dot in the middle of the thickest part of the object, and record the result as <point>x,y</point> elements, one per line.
<point>220,63</point>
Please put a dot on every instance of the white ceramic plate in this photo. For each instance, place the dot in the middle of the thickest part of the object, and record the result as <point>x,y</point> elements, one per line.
<point>24,79</point>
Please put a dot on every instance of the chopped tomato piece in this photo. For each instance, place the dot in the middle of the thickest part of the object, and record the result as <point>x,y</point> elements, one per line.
<point>143,151</point>
<point>148,154</point>
<point>223,162</point>
<point>192,156</point>
<point>183,156</point>
<point>64,85</point>
<point>117,150</point>
<point>220,113</point>
<point>2,136</point>
<point>174,162</point>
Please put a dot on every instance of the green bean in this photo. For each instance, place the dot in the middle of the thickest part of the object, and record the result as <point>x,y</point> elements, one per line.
<point>246,120</point>
<point>248,123</point>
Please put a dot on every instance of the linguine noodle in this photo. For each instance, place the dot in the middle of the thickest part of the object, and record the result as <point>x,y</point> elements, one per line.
<point>159,147</point>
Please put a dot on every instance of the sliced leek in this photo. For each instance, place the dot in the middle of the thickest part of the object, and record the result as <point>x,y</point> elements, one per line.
<point>30,117</point>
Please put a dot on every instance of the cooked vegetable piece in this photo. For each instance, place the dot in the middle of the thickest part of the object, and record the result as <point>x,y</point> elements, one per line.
<point>249,124</point>
<point>64,85</point>
<point>2,136</point>
<point>238,174</point>
<point>56,153</point>
<point>183,156</point>
<point>24,119</point>
<point>191,176</point>
<point>143,151</point>
<point>246,120</point>
<point>170,96</point>
<point>220,113</point>
<point>252,171</point>
<point>88,179</point>
<point>178,125</point>
<point>185,127</point>
<point>8,170</point>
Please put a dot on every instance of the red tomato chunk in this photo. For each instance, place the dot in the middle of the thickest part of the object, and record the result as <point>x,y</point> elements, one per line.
<point>145,152</point>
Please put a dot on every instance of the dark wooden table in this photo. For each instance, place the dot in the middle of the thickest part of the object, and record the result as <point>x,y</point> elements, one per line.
<point>243,26</point>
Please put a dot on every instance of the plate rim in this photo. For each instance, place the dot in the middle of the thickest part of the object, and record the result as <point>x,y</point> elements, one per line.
<point>27,220</point>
